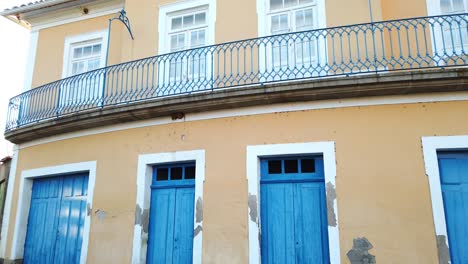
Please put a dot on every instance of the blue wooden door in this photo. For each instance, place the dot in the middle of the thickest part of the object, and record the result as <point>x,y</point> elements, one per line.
<point>453,169</point>
<point>56,219</point>
<point>170,237</point>
<point>293,211</point>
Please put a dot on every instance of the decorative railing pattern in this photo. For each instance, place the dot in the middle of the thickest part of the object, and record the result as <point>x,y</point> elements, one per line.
<point>407,44</point>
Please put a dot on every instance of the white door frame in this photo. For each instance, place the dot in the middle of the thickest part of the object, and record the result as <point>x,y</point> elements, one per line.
<point>24,202</point>
<point>143,199</point>
<point>430,147</point>
<point>254,153</point>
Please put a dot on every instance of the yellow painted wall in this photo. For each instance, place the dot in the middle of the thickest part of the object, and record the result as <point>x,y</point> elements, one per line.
<point>51,42</point>
<point>382,189</point>
<point>396,9</point>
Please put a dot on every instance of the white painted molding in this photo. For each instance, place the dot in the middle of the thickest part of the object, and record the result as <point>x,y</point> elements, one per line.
<point>254,153</point>
<point>30,61</point>
<point>70,40</point>
<point>143,198</point>
<point>430,147</point>
<point>264,109</point>
<point>77,17</point>
<point>8,201</point>
<point>166,9</point>
<point>24,201</point>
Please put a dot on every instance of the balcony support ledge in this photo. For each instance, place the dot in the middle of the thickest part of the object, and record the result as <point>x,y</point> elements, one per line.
<point>364,85</point>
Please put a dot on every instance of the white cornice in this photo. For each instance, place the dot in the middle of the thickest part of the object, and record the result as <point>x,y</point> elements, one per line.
<point>46,17</point>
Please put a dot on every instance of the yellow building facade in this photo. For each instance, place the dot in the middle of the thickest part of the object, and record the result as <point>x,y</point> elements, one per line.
<point>378,113</point>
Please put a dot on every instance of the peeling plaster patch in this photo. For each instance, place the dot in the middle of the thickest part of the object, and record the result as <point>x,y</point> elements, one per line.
<point>331,196</point>
<point>88,209</point>
<point>359,254</point>
<point>199,208</point>
<point>253,208</point>
<point>101,214</point>
<point>142,218</point>
<point>443,250</point>
<point>197,230</point>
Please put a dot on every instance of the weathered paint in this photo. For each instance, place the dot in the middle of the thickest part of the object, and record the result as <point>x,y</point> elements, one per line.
<point>443,250</point>
<point>359,254</point>
<point>199,210</point>
<point>331,197</point>
<point>253,205</point>
<point>370,137</point>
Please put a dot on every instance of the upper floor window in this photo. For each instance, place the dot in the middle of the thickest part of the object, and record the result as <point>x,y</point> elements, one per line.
<point>83,53</point>
<point>85,56</point>
<point>295,52</point>
<point>292,15</point>
<point>187,31</point>
<point>183,26</point>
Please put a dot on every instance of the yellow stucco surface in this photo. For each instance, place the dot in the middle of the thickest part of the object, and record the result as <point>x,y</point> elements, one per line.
<point>382,189</point>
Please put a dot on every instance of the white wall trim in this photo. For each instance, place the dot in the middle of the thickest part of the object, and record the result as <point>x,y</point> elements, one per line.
<point>8,201</point>
<point>430,147</point>
<point>166,9</point>
<point>30,61</point>
<point>24,201</point>
<point>70,40</point>
<point>143,198</point>
<point>264,109</point>
<point>327,149</point>
<point>61,21</point>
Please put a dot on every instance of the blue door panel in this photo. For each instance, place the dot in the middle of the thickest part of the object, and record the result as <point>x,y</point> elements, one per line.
<point>277,223</point>
<point>310,219</point>
<point>183,232</point>
<point>454,182</point>
<point>161,238</point>
<point>293,218</point>
<point>56,220</point>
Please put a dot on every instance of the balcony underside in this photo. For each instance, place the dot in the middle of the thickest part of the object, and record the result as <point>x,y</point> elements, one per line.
<point>376,84</point>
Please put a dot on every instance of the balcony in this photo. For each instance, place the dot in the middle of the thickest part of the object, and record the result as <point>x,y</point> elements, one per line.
<point>388,57</point>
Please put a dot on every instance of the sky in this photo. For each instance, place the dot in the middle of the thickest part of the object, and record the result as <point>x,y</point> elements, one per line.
<point>14,43</point>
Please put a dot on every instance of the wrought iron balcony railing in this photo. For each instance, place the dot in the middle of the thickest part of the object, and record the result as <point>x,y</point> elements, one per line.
<point>407,44</point>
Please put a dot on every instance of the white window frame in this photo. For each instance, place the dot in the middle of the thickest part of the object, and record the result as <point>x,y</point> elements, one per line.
<point>73,40</point>
<point>264,13</point>
<point>433,9</point>
<point>430,147</point>
<point>187,5</point>
<point>69,44</point>
<point>164,23</point>
<point>24,202</point>
<point>254,154</point>
<point>143,197</point>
